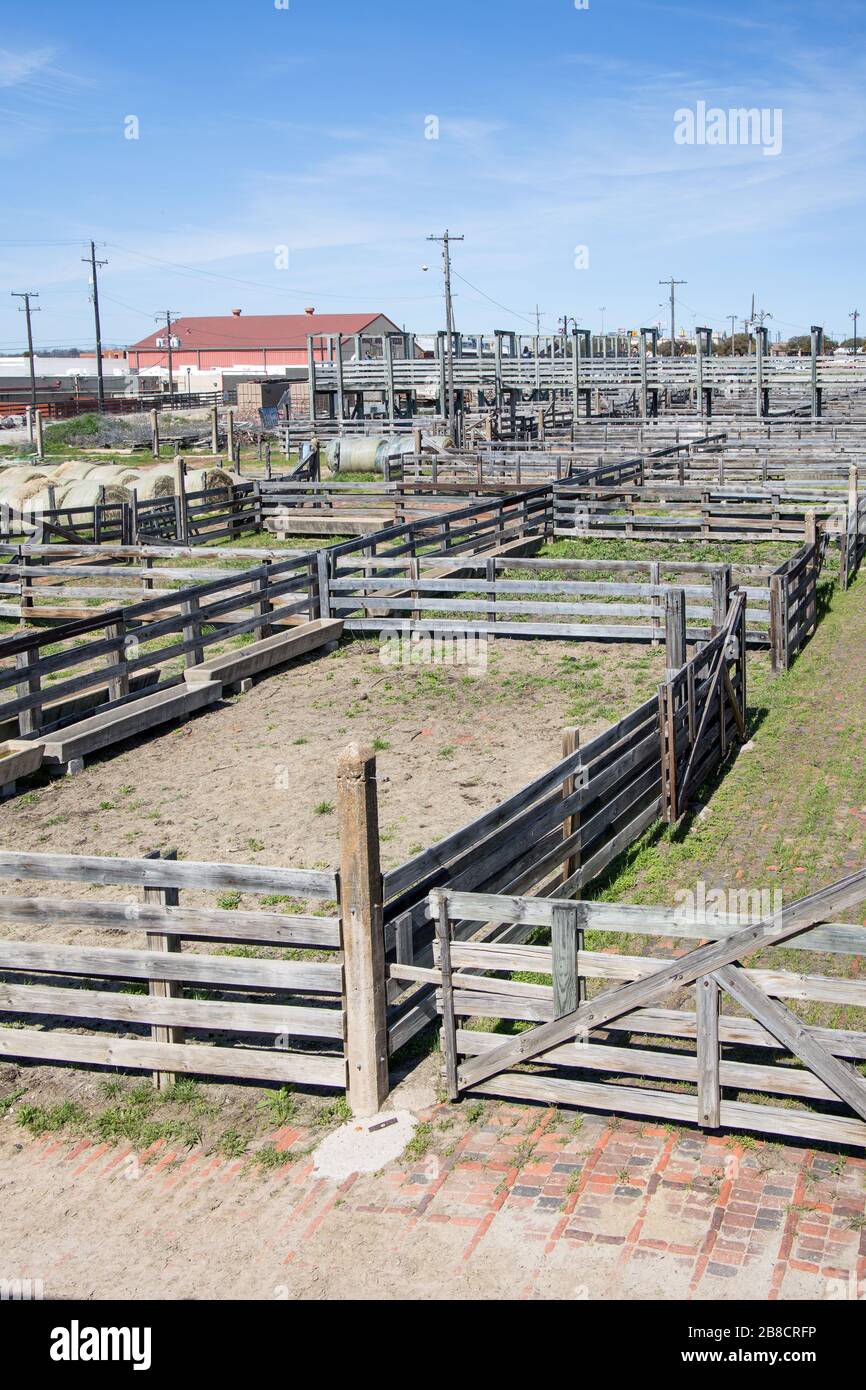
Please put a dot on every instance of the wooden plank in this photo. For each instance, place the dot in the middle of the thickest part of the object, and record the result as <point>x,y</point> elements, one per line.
<point>250,878</point>
<point>565,925</point>
<point>449,1032</point>
<point>143,1055</point>
<point>228,972</point>
<point>207,1015</point>
<point>707,1012</point>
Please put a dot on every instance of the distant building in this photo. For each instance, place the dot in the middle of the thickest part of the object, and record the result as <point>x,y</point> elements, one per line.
<point>264,343</point>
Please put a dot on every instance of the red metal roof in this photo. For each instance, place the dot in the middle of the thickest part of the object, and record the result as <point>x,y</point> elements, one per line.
<point>258,330</point>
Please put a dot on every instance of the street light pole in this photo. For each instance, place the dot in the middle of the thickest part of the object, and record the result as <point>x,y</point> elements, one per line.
<point>855,316</point>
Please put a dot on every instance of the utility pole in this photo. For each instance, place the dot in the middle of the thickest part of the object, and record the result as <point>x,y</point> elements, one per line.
<point>673,283</point>
<point>855,316</point>
<point>27,295</point>
<point>449,324</point>
<point>167,317</point>
<point>100,384</point>
<point>733,319</point>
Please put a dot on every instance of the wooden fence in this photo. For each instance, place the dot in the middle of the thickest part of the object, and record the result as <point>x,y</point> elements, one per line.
<point>277,1019</point>
<point>680,516</point>
<point>601,1038</point>
<point>47,678</point>
<point>256,976</point>
<point>538,598</point>
<point>566,826</point>
<point>794,602</point>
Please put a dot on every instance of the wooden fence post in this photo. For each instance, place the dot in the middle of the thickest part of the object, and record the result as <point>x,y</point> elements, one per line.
<point>164,989</point>
<point>564,941</point>
<point>118,686</point>
<point>778,645</point>
<point>190,609</point>
<point>214,430</point>
<point>154,433</point>
<point>181,503</point>
<point>262,605</point>
<point>323,584</point>
<point>675,631</point>
<point>722,583</point>
<point>29,683</point>
<point>362,931</point>
<point>709,1093</point>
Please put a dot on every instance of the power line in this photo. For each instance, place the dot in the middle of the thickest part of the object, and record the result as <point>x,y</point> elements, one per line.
<point>504,307</point>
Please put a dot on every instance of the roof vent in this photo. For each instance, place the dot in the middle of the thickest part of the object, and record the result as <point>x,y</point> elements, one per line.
<point>236,313</point>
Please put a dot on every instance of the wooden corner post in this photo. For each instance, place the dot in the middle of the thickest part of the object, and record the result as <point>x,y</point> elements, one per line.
<point>362,931</point>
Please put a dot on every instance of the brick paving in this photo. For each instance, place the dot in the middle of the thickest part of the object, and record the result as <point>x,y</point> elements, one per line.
<point>528,1202</point>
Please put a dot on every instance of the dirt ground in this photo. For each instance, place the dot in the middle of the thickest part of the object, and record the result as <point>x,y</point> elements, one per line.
<point>489,1201</point>
<point>254,780</point>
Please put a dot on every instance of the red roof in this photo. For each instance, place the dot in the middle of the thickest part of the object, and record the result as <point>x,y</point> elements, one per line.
<point>258,330</point>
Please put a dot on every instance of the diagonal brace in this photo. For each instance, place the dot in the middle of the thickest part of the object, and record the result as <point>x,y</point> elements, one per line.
<point>792,1033</point>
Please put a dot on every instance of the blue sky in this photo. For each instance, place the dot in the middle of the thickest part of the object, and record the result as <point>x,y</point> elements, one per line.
<point>305,127</point>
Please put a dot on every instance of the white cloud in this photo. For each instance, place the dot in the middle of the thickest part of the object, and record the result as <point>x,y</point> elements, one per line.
<point>18,68</point>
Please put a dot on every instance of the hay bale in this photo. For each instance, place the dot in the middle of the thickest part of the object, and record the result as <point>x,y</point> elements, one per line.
<point>88,494</point>
<point>208,480</point>
<point>155,482</point>
<point>73,470</point>
<point>17,474</point>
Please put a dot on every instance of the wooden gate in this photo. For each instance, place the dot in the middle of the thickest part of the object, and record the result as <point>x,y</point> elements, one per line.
<point>695,1061</point>
<point>702,709</point>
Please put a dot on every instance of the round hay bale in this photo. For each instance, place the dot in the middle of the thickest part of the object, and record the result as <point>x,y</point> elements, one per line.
<point>17,496</point>
<point>88,494</point>
<point>155,482</point>
<point>72,470</point>
<point>208,480</point>
<point>17,474</point>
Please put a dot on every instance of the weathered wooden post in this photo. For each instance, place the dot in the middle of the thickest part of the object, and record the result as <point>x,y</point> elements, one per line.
<point>722,583</point>
<point>182,505</point>
<point>163,989</point>
<point>675,631</point>
<point>215,430</point>
<point>154,433</point>
<point>40,439</point>
<point>230,446</point>
<point>363,939</point>
<point>707,994</point>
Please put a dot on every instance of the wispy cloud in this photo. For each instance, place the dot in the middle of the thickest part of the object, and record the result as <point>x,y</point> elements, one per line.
<point>19,68</point>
